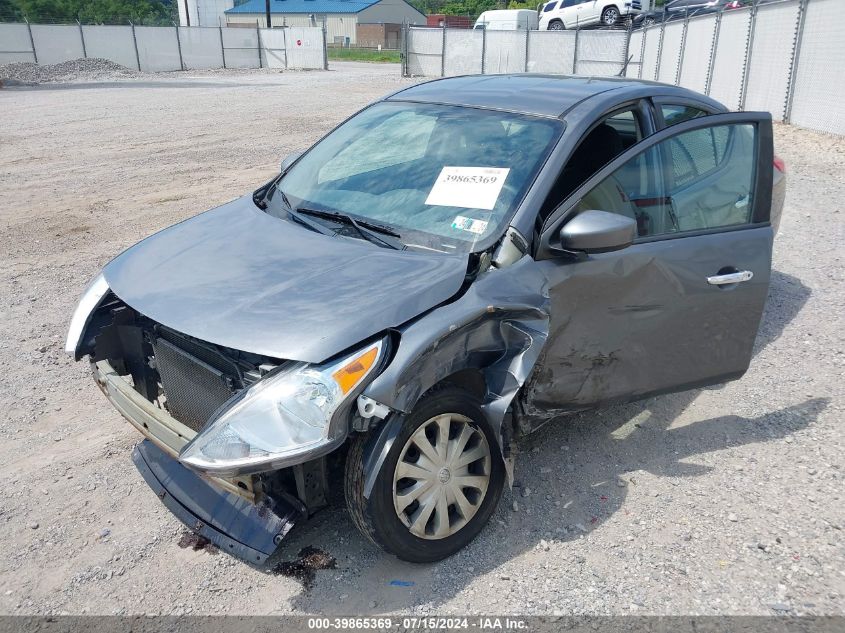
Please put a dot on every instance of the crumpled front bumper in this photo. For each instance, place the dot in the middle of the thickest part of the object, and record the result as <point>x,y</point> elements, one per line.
<point>234,524</point>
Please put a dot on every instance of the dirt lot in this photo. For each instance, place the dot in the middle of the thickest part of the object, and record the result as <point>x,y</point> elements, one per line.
<point>726,500</point>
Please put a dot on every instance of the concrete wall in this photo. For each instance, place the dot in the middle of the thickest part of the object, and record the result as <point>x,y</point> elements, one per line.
<point>164,48</point>
<point>391,12</point>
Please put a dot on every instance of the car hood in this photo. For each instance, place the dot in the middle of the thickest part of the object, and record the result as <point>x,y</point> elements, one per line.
<point>240,278</point>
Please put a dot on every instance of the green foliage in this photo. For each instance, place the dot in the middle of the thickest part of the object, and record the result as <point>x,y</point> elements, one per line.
<point>472,8</point>
<point>364,55</point>
<point>524,4</point>
<point>89,11</point>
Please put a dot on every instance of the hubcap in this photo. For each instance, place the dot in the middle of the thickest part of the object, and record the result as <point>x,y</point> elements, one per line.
<point>610,16</point>
<point>441,477</point>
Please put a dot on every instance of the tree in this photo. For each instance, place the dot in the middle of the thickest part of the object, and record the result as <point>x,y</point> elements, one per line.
<point>91,11</point>
<point>9,11</point>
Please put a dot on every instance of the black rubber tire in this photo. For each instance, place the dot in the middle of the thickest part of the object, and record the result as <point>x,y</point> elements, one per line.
<point>604,16</point>
<point>556,25</point>
<point>376,518</point>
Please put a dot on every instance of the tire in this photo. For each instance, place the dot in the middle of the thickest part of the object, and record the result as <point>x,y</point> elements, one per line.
<point>417,533</point>
<point>610,16</point>
<point>556,25</point>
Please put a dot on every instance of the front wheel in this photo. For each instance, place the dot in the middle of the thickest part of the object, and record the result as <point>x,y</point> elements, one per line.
<point>610,16</point>
<point>438,486</point>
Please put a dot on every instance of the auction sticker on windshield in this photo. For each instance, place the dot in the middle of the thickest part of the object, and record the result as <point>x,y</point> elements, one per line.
<point>468,187</point>
<point>469,224</point>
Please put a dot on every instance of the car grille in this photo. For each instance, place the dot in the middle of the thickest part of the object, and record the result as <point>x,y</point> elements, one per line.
<point>636,4</point>
<point>194,389</point>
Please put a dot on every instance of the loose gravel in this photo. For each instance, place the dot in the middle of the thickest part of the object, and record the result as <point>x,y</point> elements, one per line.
<point>77,70</point>
<point>726,500</point>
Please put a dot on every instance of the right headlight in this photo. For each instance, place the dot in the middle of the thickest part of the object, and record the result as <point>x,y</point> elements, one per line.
<point>282,419</point>
<point>88,302</point>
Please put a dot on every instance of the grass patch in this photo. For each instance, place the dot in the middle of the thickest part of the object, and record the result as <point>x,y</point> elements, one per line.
<point>363,55</point>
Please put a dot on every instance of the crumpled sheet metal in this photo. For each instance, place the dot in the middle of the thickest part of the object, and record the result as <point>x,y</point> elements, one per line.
<point>498,326</point>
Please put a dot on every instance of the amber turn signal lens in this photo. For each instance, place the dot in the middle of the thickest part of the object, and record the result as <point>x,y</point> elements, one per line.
<point>349,375</point>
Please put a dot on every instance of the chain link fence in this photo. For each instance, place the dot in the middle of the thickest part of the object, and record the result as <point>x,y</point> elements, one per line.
<point>782,56</point>
<point>161,48</point>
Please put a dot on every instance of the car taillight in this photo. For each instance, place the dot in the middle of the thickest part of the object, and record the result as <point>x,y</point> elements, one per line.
<point>780,165</point>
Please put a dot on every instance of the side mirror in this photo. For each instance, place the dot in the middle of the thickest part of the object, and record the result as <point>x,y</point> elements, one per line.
<point>598,232</point>
<point>290,159</point>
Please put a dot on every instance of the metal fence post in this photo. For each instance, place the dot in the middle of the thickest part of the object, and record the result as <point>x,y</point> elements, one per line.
<point>714,45</point>
<point>527,47</point>
<point>82,39</point>
<point>31,40</point>
<point>406,31</point>
<point>258,47</point>
<point>483,46</point>
<point>793,64</point>
<point>628,30</point>
<point>135,42</point>
<point>443,52</point>
<point>642,52</point>
<point>222,48</point>
<point>659,52</point>
<point>179,46</point>
<point>285,43</point>
<point>681,53</point>
<point>575,50</point>
<point>325,46</point>
<point>749,49</point>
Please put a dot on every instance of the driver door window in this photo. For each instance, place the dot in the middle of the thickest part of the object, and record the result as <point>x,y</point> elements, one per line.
<point>702,179</point>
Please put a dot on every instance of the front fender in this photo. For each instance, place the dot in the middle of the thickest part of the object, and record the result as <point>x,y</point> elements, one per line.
<point>499,326</point>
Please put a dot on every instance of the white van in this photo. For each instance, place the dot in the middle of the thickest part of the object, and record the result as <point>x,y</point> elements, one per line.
<point>507,20</point>
<point>569,14</point>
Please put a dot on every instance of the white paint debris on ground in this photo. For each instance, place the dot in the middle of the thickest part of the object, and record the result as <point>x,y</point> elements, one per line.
<point>722,500</point>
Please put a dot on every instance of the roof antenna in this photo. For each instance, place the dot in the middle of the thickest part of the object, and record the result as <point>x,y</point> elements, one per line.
<point>625,66</point>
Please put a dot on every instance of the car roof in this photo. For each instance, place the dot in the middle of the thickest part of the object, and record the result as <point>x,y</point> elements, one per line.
<point>543,95</point>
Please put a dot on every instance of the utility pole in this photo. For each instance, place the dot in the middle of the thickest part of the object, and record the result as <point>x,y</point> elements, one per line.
<point>267,9</point>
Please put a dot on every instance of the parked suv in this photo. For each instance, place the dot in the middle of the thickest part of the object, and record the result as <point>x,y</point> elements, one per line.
<point>569,14</point>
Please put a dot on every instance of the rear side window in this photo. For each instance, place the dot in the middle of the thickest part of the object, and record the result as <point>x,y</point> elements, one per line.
<point>674,114</point>
<point>701,179</point>
<point>549,6</point>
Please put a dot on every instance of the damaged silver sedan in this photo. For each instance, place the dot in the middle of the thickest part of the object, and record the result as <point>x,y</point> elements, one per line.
<point>447,270</point>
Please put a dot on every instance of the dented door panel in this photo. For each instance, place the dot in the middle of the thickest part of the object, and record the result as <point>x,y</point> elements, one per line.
<point>644,320</point>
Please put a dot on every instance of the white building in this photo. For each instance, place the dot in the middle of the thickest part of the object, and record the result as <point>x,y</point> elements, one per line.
<point>342,17</point>
<point>203,12</point>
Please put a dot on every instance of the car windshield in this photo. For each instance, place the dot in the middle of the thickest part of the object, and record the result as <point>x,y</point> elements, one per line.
<point>441,177</point>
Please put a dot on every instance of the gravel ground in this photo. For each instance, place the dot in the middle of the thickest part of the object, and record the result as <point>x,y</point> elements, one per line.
<point>724,500</point>
<point>76,70</point>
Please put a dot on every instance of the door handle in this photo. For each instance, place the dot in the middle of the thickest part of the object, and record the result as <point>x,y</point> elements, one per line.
<point>730,278</point>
